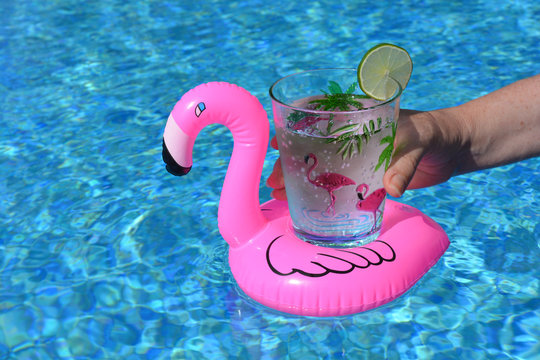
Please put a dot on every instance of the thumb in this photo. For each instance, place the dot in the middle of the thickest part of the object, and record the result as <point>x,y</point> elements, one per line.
<point>401,171</point>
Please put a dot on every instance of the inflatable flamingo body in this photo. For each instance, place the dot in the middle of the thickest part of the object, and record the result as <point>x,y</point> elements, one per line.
<point>267,260</point>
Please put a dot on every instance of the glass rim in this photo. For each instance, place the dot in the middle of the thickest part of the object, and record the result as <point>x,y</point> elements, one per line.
<point>394,97</point>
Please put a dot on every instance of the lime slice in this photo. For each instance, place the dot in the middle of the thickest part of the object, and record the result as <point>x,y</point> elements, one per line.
<point>381,67</point>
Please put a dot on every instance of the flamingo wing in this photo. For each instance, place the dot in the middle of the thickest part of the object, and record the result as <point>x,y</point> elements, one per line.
<point>373,201</point>
<point>315,261</point>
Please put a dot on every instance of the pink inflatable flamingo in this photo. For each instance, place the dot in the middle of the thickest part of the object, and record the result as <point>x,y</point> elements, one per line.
<point>268,261</point>
<point>328,181</point>
<point>372,203</point>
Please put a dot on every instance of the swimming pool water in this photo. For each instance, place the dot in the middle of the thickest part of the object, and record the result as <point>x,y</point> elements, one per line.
<point>103,254</point>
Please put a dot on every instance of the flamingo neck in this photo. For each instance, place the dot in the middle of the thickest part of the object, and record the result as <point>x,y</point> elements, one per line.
<point>312,167</point>
<point>239,214</point>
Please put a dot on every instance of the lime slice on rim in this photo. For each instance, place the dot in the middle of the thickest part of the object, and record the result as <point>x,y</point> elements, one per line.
<point>381,67</point>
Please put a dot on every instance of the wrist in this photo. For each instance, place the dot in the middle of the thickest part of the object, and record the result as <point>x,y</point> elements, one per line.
<point>456,135</point>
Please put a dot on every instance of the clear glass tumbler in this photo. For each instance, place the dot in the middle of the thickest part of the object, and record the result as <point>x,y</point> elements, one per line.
<point>335,144</point>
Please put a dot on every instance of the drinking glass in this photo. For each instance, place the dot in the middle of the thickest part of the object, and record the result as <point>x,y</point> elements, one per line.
<point>335,144</point>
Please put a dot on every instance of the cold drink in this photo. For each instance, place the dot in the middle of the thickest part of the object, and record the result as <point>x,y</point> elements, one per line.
<point>333,163</point>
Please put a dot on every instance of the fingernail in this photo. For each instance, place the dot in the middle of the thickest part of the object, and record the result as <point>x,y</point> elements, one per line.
<point>398,183</point>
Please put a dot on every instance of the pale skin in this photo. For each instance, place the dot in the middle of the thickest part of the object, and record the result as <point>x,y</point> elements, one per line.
<point>499,128</point>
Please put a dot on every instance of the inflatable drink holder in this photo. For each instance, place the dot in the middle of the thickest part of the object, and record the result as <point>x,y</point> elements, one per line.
<point>269,263</point>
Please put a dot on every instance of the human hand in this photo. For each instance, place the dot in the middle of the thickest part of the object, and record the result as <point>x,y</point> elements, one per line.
<point>275,180</point>
<point>496,129</point>
<point>427,147</point>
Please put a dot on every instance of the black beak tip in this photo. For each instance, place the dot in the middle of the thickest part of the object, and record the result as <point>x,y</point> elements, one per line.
<point>171,165</point>
<point>177,170</point>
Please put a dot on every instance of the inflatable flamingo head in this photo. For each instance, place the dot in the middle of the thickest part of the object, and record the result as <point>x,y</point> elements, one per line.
<point>239,214</point>
<point>214,102</point>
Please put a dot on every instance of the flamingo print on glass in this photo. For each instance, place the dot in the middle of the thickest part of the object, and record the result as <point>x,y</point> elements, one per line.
<point>334,146</point>
<point>328,181</point>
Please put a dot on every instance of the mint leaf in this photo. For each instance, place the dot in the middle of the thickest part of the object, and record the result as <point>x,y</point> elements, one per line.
<point>334,88</point>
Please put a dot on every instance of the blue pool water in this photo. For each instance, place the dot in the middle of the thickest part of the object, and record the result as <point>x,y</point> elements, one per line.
<point>103,254</point>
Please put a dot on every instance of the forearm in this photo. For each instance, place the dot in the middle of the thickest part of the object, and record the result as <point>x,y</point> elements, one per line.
<point>499,128</point>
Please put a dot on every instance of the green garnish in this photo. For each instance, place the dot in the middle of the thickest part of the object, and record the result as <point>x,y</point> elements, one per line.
<point>386,155</point>
<point>295,116</point>
<point>339,100</point>
<point>348,137</point>
<point>350,141</point>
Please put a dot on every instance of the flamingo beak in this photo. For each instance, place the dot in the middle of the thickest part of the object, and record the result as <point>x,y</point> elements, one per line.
<point>306,159</point>
<point>177,149</point>
<point>171,165</point>
<point>360,196</point>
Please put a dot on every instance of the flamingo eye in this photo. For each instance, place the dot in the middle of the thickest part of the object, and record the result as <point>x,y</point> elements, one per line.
<point>199,109</point>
